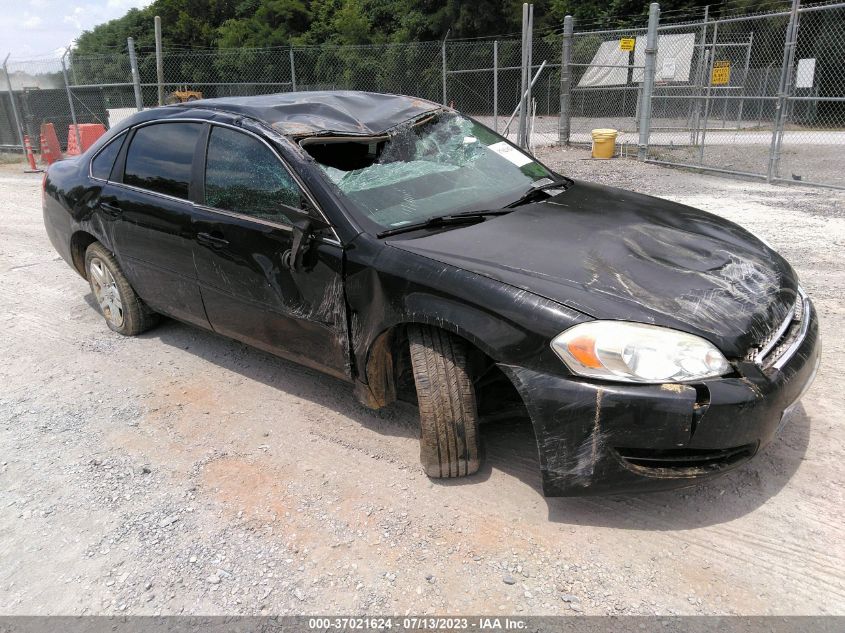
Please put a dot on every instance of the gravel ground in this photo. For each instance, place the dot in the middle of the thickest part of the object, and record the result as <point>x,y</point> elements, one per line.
<point>798,161</point>
<point>179,472</point>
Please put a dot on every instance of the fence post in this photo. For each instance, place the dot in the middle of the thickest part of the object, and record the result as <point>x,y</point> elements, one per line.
<point>783,91</point>
<point>745,80</point>
<point>292,71</point>
<point>523,81</point>
<point>70,102</point>
<point>159,62</point>
<point>709,78</point>
<point>648,80</point>
<point>136,77</point>
<point>443,69</point>
<point>695,105</point>
<point>12,100</point>
<point>496,85</point>
<point>565,82</point>
<point>529,98</point>
<point>525,92</point>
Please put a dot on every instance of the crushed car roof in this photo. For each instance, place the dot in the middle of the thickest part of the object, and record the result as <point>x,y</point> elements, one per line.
<point>325,112</point>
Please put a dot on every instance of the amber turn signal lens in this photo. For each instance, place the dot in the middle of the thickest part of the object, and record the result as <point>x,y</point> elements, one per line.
<point>583,349</point>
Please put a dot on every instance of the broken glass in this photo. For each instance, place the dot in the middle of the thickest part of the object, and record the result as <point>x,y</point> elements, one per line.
<point>445,164</point>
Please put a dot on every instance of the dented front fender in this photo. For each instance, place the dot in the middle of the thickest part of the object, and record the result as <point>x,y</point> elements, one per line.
<point>596,438</point>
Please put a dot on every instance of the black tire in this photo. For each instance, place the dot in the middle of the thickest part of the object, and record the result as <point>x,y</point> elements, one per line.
<point>193,98</point>
<point>131,316</point>
<point>449,444</point>
<point>172,100</point>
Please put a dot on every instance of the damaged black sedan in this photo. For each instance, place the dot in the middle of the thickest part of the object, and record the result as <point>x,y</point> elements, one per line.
<point>405,248</point>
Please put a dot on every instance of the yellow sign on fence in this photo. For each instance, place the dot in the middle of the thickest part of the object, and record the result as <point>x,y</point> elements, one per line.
<point>627,44</point>
<point>721,73</point>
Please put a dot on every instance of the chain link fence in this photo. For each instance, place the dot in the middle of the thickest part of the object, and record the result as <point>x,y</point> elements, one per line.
<point>767,98</point>
<point>760,96</point>
<point>731,100</point>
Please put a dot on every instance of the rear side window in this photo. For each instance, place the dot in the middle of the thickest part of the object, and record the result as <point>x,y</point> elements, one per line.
<point>104,161</point>
<point>160,156</point>
<point>242,175</point>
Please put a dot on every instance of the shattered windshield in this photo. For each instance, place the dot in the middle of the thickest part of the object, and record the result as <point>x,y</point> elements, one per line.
<point>443,165</point>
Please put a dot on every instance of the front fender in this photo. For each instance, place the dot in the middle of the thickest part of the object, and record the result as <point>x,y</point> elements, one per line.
<point>387,287</point>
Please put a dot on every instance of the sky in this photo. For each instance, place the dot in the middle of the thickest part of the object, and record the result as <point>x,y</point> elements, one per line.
<point>36,28</point>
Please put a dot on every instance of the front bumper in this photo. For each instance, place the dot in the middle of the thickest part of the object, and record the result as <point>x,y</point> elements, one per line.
<point>598,438</point>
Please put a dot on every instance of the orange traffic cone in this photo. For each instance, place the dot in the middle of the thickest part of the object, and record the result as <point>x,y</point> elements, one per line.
<point>30,156</point>
<point>72,144</point>
<point>50,149</point>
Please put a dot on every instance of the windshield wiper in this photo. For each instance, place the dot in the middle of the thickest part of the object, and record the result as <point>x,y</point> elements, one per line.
<point>467,217</point>
<point>531,194</point>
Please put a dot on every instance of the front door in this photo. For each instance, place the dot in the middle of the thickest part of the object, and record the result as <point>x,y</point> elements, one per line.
<point>152,218</point>
<point>241,236</point>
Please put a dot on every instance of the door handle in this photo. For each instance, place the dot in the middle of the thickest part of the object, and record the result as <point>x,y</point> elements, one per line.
<point>211,240</point>
<point>110,208</point>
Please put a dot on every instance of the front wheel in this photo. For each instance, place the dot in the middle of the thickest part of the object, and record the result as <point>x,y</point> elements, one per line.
<point>449,444</point>
<point>122,309</point>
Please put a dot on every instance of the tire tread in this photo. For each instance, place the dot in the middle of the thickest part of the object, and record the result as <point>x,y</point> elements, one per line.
<point>446,396</point>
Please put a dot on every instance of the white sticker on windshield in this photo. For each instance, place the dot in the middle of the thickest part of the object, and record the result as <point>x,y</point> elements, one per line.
<point>508,152</point>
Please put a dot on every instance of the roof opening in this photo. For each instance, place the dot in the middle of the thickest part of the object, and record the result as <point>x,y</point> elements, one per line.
<point>346,155</point>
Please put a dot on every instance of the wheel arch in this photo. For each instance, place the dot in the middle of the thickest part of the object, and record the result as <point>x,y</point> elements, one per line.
<point>387,351</point>
<point>79,242</point>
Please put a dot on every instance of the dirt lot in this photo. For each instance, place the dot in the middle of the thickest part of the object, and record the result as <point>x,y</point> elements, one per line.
<point>179,472</point>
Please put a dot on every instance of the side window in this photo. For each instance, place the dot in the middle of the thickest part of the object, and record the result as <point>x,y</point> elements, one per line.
<point>242,175</point>
<point>104,160</point>
<point>160,156</point>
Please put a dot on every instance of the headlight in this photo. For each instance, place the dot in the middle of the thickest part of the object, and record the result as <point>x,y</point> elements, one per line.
<point>635,352</point>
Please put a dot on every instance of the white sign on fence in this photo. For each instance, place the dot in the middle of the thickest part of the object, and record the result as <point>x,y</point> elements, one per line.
<point>806,73</point>
<point>668,70</point>
<point>676,48</point>
<point>608,68</point>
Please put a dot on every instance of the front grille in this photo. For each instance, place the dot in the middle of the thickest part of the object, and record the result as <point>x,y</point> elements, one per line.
<point>777,347</point>
<point>683,462</point>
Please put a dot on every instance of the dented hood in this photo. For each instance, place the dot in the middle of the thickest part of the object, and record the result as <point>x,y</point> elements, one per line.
<point>614,254</point>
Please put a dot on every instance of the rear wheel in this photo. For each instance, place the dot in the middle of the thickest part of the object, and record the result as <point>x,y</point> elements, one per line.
<point>449,444</point>
<point>122,309</point>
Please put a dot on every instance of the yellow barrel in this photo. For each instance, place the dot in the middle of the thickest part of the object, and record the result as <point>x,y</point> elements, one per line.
<point>604,143</point>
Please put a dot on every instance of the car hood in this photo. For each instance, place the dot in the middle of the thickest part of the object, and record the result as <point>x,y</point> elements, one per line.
<point>615,254</point>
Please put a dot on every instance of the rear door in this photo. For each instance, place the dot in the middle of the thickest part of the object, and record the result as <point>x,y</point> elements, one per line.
<point>241,236</point>
<point>150,202</point>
